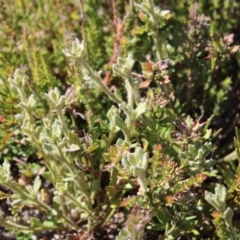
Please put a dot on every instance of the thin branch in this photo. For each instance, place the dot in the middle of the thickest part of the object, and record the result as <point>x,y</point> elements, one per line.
<point>83,20</point>
<point>119,29</point>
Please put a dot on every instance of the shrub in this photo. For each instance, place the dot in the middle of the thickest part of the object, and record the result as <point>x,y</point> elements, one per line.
<point>123,142</point>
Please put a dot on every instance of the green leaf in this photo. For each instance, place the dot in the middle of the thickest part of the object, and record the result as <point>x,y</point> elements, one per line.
<point>24,236</point>
<point>189,121</point>
<point>48,176</point>
<point>228,216</point>
<point>56,130</point>
<point>5,172</point>
<point>188,225</point>
<point>138,154</point>
<point>128,186</point>
<point>36,185</point>
<point>91,148</point>
<point>163,216</point>
<point>84,215</point>
<point>35,222</point>
<point>48,132</point>
<point>207,134</point>
<point>72,148</point>
<point>31,101</point>
<point>125,162</point>
<point>50,224</point>
<point>141,108</point>
<point>16,202</point>
<point>119,122</point>
<point>48,148</point>
<point>118,94</point>
<point>218,199</point>
<point>94,185</point>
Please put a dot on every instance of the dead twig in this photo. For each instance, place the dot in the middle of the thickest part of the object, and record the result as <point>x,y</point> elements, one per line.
<point>119,29</point>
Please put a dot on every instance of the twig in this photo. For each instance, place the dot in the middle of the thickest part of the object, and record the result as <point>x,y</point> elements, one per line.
<point>119,26</point>
<point>83,20</point>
